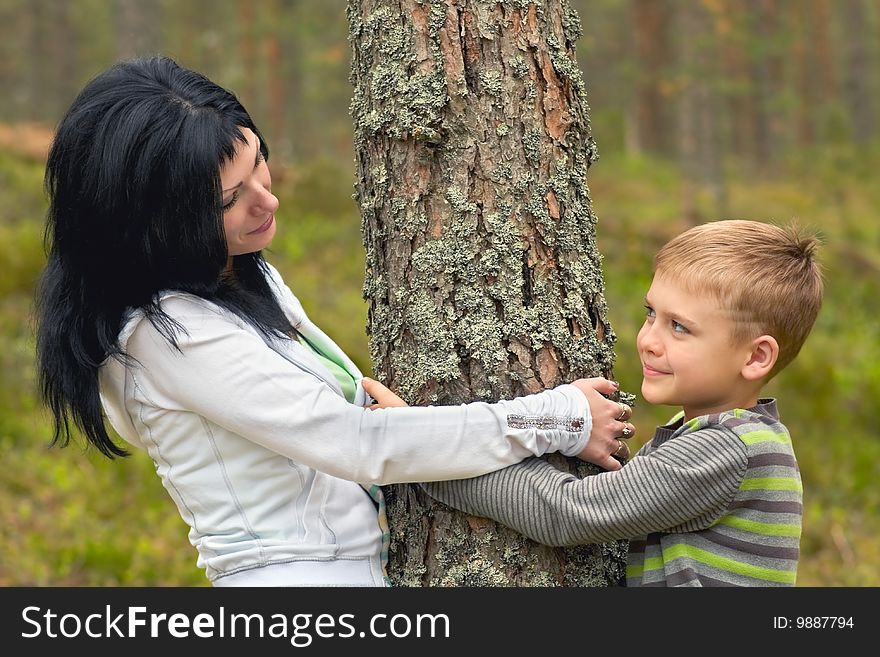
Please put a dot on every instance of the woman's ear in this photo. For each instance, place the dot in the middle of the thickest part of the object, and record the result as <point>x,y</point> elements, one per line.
<point>765,352</point>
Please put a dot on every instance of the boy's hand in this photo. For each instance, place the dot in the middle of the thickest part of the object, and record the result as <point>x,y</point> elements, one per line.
<point>383,396</point>
<point>610,424</point>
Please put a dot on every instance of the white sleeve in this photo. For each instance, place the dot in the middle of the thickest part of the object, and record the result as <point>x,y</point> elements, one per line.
<point>226,374</point>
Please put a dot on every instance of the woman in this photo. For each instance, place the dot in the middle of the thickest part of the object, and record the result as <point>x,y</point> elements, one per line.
<point>157,305</point>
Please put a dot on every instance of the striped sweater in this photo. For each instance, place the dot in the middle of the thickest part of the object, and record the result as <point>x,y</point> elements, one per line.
<point>715,501</point>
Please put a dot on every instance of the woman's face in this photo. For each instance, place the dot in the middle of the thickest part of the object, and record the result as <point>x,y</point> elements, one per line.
<point>248,204</point>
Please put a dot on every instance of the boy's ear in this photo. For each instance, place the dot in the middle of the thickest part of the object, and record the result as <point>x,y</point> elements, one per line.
<point>765,351</point>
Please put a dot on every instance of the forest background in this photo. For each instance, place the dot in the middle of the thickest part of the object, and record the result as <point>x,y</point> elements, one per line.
<point>702,110</point>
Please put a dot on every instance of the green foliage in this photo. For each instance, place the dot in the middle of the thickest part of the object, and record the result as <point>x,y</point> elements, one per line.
<point>74,518</point>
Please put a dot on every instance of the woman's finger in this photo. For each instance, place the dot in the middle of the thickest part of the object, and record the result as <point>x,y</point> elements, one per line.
<point>383,396</point>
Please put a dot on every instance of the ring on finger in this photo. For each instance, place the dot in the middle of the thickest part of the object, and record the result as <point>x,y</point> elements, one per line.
<point>627,432</point>
<point>624,409</point>
<point>621,446</point>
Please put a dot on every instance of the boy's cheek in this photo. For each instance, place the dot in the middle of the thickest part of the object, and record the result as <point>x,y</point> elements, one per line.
<point>651,392</point>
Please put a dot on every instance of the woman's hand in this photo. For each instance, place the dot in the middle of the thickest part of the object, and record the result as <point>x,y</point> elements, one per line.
<point>610,424</point>
<point>383,396</point>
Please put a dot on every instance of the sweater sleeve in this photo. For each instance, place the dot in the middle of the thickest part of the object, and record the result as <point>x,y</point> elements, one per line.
<point>227,375</point>
<point>685,485</point>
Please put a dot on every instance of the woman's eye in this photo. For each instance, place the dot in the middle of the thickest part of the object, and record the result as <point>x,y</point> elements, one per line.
<point>231,202</point>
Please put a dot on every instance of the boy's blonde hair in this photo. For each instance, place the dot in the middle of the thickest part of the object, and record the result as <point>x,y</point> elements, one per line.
<point>765,275</point>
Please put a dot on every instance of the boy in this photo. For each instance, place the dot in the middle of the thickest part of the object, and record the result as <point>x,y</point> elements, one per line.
<point>715,498</point>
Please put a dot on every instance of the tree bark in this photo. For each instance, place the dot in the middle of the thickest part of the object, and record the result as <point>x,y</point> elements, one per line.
<point>484,280</point>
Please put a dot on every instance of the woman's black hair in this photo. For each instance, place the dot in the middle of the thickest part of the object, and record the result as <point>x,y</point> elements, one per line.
<point>133,179</point>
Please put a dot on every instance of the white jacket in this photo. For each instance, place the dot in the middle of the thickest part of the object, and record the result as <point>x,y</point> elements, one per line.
<point>259,449</point>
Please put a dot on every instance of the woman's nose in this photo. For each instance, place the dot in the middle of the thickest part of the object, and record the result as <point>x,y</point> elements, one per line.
<point>267,202</point>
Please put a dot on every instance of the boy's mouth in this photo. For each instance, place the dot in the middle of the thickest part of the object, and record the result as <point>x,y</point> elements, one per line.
<point>647,370</point>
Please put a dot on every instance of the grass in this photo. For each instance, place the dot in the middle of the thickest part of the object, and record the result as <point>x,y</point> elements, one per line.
<point>73,518</point>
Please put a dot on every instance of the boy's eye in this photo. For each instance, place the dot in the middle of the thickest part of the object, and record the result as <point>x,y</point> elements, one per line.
<point>649,311</point>
<point>231,202</point>
<point>679,328</point>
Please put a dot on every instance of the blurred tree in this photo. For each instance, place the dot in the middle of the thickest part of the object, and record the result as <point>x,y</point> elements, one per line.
<point>472,142</point>
<point>737,96</point>
<point>857,84</point>
<point>650,20</point>
<point>274,71</point>
<point>699,148</point>
<point>825,74</point>
<point>808,91</point>
<point>138,27</point>
<point>247,52</point>
<point>51,59</point>
<point>687,116</point>
<point>762,67</point>
<point>303,27</point>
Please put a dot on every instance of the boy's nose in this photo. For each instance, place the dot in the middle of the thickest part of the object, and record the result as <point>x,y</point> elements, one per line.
<point>648,340</point>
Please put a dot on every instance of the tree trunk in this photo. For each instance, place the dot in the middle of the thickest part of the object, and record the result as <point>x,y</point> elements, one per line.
<point>248,54</point>
<point>138,24</point>
<point>858,71</point>
<point>763,24</point>
<point>651,43</point>
<point>274,87</point>
<point>741,96</point>
<point>820,25</point>
<point>688,22</point>
<point>807,87</point>
<point>473,143</point>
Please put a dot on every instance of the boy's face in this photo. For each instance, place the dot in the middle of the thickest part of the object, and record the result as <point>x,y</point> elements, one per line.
<point>688,356</point>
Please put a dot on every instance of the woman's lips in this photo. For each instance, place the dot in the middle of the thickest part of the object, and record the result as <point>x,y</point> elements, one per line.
<point>264,226</point>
